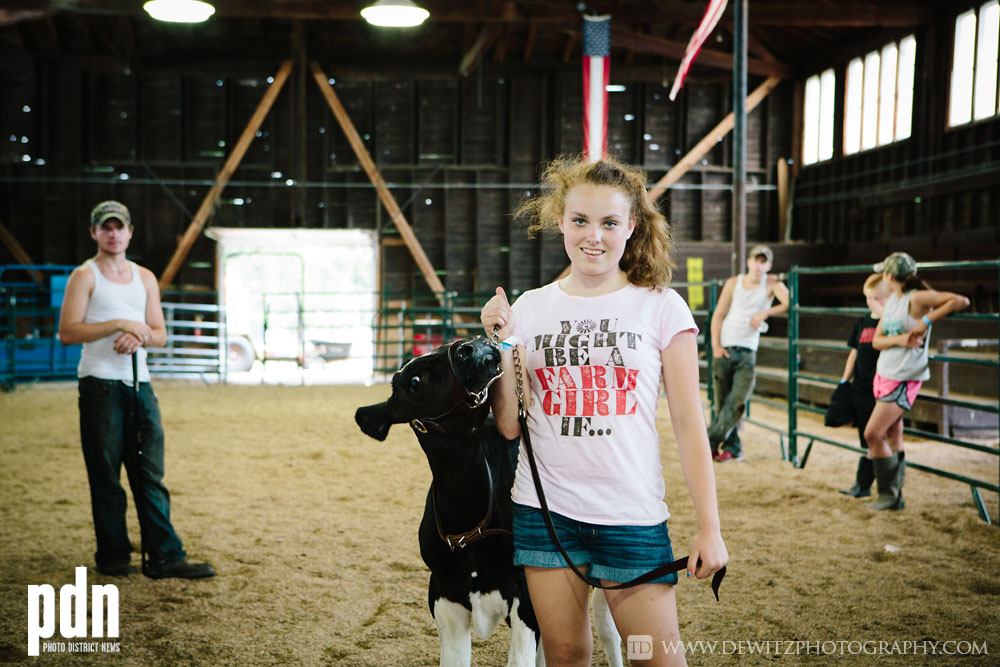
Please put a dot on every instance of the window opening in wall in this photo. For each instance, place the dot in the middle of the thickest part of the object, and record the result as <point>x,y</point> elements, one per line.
<point>878,103</point>
<point>817,130</point>
<point>973,94</point>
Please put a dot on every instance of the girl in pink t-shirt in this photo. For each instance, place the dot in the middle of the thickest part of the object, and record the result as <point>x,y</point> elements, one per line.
<point>595,346</point>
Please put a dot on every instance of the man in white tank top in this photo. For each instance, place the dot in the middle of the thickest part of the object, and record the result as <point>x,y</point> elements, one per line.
<point>112,306</point>
<point>739,319</point>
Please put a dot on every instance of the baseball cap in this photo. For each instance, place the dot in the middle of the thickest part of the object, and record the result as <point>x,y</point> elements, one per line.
<point>107,210</point>
<point>898,264</point>
<point>761,249</point>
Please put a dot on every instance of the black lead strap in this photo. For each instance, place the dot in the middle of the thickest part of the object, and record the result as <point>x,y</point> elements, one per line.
<point>138,492</point>
<point>663,570</point>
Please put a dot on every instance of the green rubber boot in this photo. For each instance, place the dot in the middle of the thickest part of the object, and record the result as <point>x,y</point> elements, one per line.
<point>889,474</point>
<point>863,484</point>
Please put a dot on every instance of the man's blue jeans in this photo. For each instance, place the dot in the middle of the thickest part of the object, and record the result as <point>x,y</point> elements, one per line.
<point>107,432</point>
<point>733,381</point>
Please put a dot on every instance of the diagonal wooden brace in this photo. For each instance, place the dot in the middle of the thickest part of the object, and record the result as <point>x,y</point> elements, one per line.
<point>233,161</point>
<point>398,219</point>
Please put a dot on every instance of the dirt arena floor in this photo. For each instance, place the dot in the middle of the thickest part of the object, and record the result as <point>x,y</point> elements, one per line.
<point>312,528</point>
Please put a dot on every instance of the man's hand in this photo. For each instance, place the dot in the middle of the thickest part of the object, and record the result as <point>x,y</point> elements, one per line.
<point>127,344</point>
<point>139,330</point>
<point>718,352</point>
<point>757,320</point>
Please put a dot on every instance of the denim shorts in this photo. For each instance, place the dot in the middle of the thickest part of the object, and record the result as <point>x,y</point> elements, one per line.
<point>613,553</point>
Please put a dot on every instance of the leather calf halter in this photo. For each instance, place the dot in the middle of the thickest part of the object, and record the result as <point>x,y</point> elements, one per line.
<point>465,401</point>
<point>462,540</point>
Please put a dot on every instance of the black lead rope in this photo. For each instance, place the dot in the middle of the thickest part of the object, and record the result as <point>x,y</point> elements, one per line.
<point>522,417</point>
<point>668,568</point>
<point>138,492</point>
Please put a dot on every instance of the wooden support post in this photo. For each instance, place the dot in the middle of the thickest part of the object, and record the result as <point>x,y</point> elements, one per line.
<point>709,140</point>
<point>233,161</point>
<point>784,201</point>
<point>426,268</point>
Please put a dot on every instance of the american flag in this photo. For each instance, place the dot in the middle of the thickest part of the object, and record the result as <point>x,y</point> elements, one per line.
<point>596,70</point>
<point>716,8</point>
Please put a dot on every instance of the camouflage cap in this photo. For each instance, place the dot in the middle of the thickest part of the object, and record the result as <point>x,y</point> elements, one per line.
<point>761,249</point>
<point>897,265</point>
<point>108,210</point>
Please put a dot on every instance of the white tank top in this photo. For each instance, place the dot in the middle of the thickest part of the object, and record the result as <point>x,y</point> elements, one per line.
<point>736,331</point>
<point>902,363</point>
<point>112,301</point>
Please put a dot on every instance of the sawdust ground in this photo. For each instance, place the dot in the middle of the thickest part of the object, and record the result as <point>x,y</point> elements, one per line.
<point>312,528</point>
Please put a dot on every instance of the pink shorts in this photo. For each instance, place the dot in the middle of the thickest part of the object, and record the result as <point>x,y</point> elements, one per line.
<point>900,392</point>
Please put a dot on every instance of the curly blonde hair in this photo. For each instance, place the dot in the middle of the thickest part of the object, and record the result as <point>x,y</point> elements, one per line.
<point>646,261</point>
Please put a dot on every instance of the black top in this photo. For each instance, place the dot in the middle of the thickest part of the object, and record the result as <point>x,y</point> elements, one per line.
<point>861,340</point>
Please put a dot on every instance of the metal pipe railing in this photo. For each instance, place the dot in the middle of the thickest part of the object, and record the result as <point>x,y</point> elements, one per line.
<point>796,310</point>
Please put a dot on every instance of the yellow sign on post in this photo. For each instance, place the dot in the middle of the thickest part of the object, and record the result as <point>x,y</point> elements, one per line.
<point>695,274</point>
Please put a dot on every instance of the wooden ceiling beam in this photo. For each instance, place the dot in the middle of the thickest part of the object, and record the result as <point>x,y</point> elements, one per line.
<point>707,57</point>
<point>570,43</point>
<point>529,43</point>
<point>487,35</point>
<point>841,14</point>
<point>211,199</point>
<point>709,141</point>
<point>385,196</point>
<point>10,17</point>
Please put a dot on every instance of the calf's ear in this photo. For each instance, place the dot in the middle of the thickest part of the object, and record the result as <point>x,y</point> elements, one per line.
<point>374,420</point>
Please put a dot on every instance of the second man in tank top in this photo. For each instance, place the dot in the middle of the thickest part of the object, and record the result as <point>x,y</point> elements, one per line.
<point>739,319</point>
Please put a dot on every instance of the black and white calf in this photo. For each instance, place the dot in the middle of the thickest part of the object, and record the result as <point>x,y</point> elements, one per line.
<point>465,531</point>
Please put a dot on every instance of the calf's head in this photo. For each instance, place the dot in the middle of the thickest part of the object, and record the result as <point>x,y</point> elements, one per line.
<point>445,390</point>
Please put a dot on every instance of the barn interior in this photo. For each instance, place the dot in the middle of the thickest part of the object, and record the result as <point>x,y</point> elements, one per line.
<point>322,199</point>
<point>869,129</point>
<point>101,101</point>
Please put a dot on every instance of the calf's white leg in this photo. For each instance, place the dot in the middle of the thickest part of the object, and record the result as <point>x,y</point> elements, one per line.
<point>523,647</point>
<point>454,632</point>
<point>606,630</point>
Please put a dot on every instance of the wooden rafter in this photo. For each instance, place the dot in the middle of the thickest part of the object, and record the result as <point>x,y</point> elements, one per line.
<point>503,41</point>
<point>840,14</point>
<point>702,147</point>
<point>710,140</point>
<point>16,250</point>
<point>398,219</point>
<point>475,54</point>
<point>529,43</point>
<point>212,198</point>
<point>706,57</point>
<point>570,43</point>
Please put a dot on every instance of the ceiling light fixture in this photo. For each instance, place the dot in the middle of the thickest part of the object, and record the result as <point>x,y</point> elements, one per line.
<point>395,14</point>
<point>179,11</point>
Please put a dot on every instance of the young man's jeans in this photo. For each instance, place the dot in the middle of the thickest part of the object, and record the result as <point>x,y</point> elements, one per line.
<point>733,380</point>
<point>108,435</point>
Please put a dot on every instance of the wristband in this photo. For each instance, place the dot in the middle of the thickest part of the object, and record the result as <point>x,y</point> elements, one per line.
<point>926,320</point>
<point>509,343</point>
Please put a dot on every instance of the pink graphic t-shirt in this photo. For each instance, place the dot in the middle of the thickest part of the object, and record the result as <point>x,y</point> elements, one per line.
<point>595,371</point>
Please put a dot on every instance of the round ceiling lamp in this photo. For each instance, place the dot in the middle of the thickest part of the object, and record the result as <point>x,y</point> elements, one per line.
<point>179,11</point>
<point>395,14</point>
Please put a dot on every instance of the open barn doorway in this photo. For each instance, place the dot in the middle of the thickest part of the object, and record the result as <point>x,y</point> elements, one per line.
<point>299,304</point>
